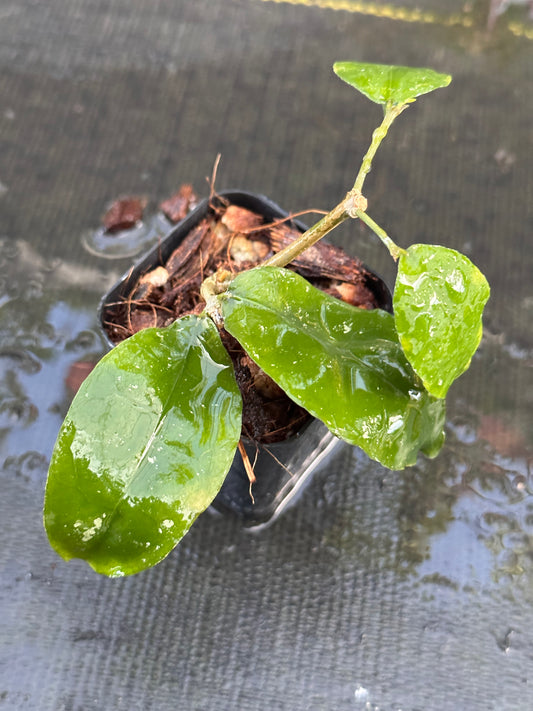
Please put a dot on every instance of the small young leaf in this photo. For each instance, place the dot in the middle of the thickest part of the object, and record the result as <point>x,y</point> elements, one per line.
<point>144,449</point>
<point>342,364</point>
<point>390,85</point>
<point>438,304</point>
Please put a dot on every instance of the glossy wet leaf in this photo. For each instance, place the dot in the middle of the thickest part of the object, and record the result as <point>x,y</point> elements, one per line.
<point>343,364</point>
<point>387,84</point>
<point>438,304</point>
<point>144,449</point>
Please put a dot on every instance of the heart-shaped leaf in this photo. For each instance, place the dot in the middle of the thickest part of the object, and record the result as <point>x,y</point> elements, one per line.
<point>343,364</point>
<point>388,84</point>
<point>438,304</point>
<point>144,449</point>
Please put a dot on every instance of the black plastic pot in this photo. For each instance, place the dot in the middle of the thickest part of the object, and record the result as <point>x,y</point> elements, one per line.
<point>281,468</point>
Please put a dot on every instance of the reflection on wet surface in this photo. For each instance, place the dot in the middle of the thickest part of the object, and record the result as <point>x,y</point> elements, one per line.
<point>128,243</point>
<point>47,332</point>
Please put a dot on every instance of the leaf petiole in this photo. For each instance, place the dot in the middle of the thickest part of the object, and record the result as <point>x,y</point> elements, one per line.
<point>395,251</point>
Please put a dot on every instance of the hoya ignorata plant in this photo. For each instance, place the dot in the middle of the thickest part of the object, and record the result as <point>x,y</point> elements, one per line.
<point>152,431</point>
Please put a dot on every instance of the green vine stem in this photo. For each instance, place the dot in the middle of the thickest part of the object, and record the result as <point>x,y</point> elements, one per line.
<point>354,204</point>
<point>392,111</point>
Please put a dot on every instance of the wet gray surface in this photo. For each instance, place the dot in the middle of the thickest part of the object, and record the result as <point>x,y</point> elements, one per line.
<point>376,590</point>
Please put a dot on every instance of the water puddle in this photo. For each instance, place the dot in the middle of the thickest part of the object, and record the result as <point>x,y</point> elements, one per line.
<point>126,243</point>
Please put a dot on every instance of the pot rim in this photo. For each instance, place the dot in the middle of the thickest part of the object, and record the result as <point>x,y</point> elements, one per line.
<point>162,250</point>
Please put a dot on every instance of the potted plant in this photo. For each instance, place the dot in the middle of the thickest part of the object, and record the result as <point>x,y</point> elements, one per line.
<point>153,431</point>
<point>281,444</point>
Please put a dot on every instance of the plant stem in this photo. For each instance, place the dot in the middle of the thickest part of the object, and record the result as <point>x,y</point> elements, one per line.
<point>393,248</point>
<point>353,205</point>
<point>308,238</point>
<point>391,113</point>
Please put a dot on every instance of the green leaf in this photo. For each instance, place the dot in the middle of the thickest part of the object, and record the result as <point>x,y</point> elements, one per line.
<point>438,304</point>
<point>343,364</point>
<point>389,84</point>
<point>144,449</point>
